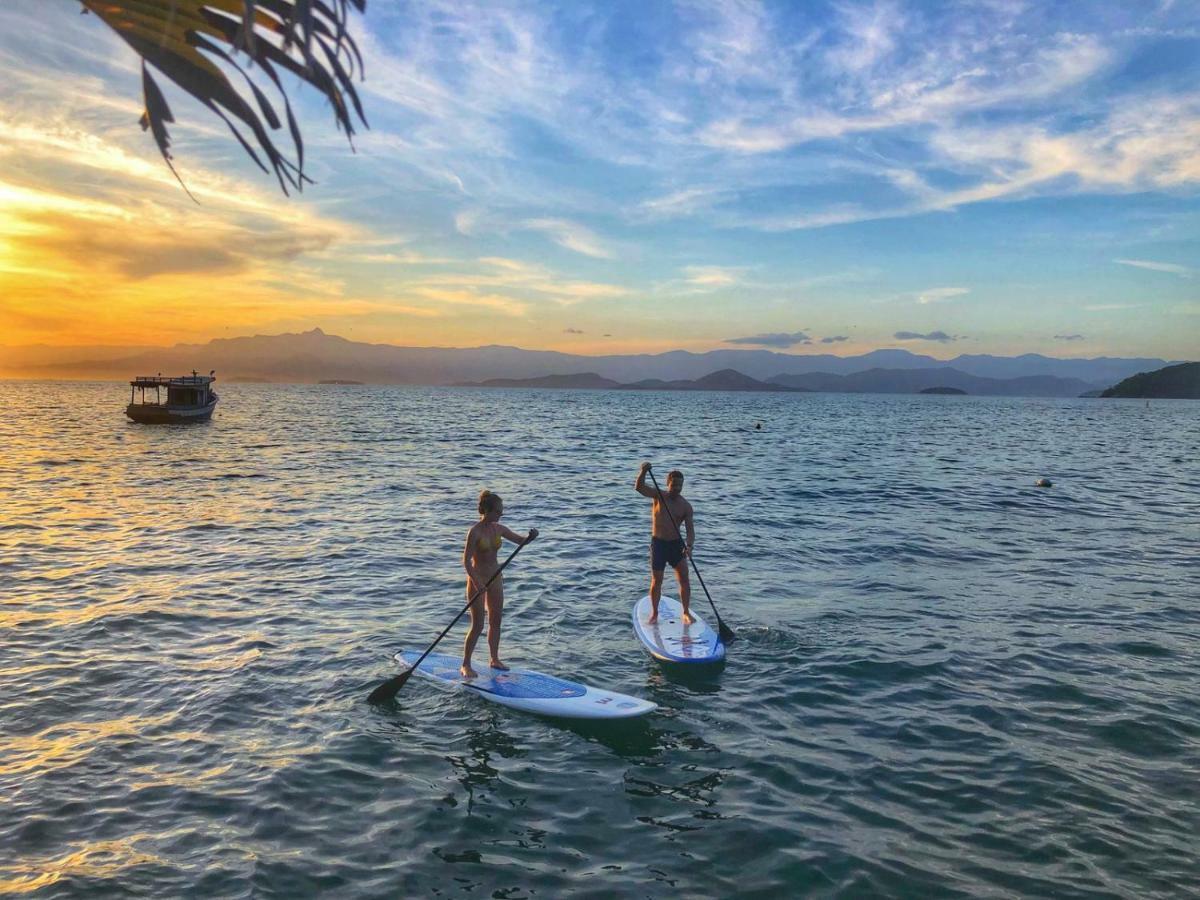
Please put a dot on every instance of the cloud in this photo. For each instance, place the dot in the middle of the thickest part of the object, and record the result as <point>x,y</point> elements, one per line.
<point>710,276</point>
<point>941,295</point>
<point>1108,307</point>
<point>573,331</point>
<point>522,283</point>
<point>683,202</point>
<point>571,235</point>
<point>1068,337</point>
<point>869,34</point>
<point>138,253</point>
<point>774,339</point>
<point>500,303</point>
<point>927,90</point>
<point>836,339</point>
<point>939,336</point>
<point>1169,268</point>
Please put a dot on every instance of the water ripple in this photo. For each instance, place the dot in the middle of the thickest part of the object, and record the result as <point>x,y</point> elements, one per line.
<point>949,682</point>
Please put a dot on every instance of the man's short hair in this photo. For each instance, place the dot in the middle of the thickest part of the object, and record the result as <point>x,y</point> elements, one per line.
<point>674,473</point>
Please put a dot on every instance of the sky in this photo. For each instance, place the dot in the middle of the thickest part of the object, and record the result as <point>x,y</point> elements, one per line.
<point>609,177</point>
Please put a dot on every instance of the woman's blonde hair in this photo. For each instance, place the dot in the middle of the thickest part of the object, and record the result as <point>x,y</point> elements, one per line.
<point>488,502</point>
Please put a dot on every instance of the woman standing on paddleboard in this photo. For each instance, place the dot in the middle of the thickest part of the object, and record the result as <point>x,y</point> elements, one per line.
<point>479,559</point>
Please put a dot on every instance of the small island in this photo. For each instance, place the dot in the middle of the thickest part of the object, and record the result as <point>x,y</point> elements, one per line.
<point>943,390</point>
<point>339,381</point>
<point>1178,382</point>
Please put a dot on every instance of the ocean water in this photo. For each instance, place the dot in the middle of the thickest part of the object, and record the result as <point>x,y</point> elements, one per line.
<point>948,681</point>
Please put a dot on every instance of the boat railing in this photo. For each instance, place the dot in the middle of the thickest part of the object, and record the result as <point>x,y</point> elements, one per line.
<point>172,381</point>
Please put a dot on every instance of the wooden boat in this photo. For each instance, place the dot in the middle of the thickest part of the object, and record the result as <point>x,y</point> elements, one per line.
<point>189,398</point>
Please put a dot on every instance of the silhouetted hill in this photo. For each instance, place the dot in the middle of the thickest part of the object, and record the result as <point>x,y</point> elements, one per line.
<point>724,380</point>
<point>1181,382</point>
<point>912,381</point>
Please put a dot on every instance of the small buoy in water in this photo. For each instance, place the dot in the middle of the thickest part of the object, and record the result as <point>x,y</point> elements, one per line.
<point>758,426</point>
<point>1045,482</point>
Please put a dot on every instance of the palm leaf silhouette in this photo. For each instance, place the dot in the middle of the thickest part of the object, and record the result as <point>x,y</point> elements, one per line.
<point>183,39</point>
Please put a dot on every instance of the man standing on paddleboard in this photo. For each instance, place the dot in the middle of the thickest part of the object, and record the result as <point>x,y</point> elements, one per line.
<point>666,543</point>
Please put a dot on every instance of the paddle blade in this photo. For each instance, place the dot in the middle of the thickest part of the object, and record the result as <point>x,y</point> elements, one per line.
<point>727,634</point>
<point>387,691</point>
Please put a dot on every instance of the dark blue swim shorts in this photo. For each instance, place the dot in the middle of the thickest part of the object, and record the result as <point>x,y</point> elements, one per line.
<point>665,550</point>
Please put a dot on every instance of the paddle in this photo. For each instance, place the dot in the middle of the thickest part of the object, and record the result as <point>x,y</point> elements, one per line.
<point>726,633</point>
<point>388,690</point>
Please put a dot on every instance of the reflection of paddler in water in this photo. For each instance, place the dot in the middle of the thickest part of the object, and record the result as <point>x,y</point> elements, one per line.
<point>666,543</point>
<point>479,559</point>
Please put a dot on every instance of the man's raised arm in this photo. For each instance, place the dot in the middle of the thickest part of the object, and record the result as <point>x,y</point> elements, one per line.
<point>640,484</point>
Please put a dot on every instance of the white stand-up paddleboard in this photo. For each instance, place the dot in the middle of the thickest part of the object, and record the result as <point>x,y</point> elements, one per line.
<point>670,640</point>
<point>530,691</point>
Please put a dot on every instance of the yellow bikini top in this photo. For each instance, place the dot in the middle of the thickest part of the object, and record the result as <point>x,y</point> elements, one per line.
<point>495,542</point>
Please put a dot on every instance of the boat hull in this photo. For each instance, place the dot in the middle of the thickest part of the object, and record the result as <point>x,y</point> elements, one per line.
<point>153,414</point>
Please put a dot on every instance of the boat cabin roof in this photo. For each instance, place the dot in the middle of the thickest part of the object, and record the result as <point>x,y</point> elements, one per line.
<point>192,380</point>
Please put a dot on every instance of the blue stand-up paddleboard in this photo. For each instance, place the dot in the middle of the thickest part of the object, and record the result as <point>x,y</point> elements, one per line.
<point>530,691</point>
<point>670,640</point>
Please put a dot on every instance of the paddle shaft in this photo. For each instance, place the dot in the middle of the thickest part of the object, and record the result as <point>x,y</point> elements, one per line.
<point>727,633</point>
<point>388,689</point>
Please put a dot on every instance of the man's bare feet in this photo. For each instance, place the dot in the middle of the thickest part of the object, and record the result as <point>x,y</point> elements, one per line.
<point>467,672</point>
<point>496,664</point>
<point>689,619</point>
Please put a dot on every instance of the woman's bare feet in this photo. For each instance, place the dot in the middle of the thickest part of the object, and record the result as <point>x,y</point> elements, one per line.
<point>689,619</point>
<point>496,664</point>
<point>467,672</point>
<point>653,620</point>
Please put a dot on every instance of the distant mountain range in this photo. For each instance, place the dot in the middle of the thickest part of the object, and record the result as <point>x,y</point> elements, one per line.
<point>315,356</point>
<point>724,380</point>
<point>873,381</point>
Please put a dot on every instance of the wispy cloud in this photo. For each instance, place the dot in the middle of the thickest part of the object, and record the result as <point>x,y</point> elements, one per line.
<point>773,339</point>
<point>939,336</point>
<point>835,339</point>
<point>523,282</point>
<point>941,295</point>
<point>1068,337</point>
<point>685,202</point>
<point>571,235</point>
<point>1169,268</point>
<point>710,276</point>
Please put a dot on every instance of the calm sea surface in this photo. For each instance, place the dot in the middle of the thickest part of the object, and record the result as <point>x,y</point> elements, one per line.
<point>949,682</point>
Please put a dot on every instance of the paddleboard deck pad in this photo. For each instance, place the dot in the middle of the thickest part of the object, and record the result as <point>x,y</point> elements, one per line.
<point>670,640</point>
<point>532,692</point>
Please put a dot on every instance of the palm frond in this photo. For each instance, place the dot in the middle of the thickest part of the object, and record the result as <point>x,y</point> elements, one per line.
<point>184,40</point>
